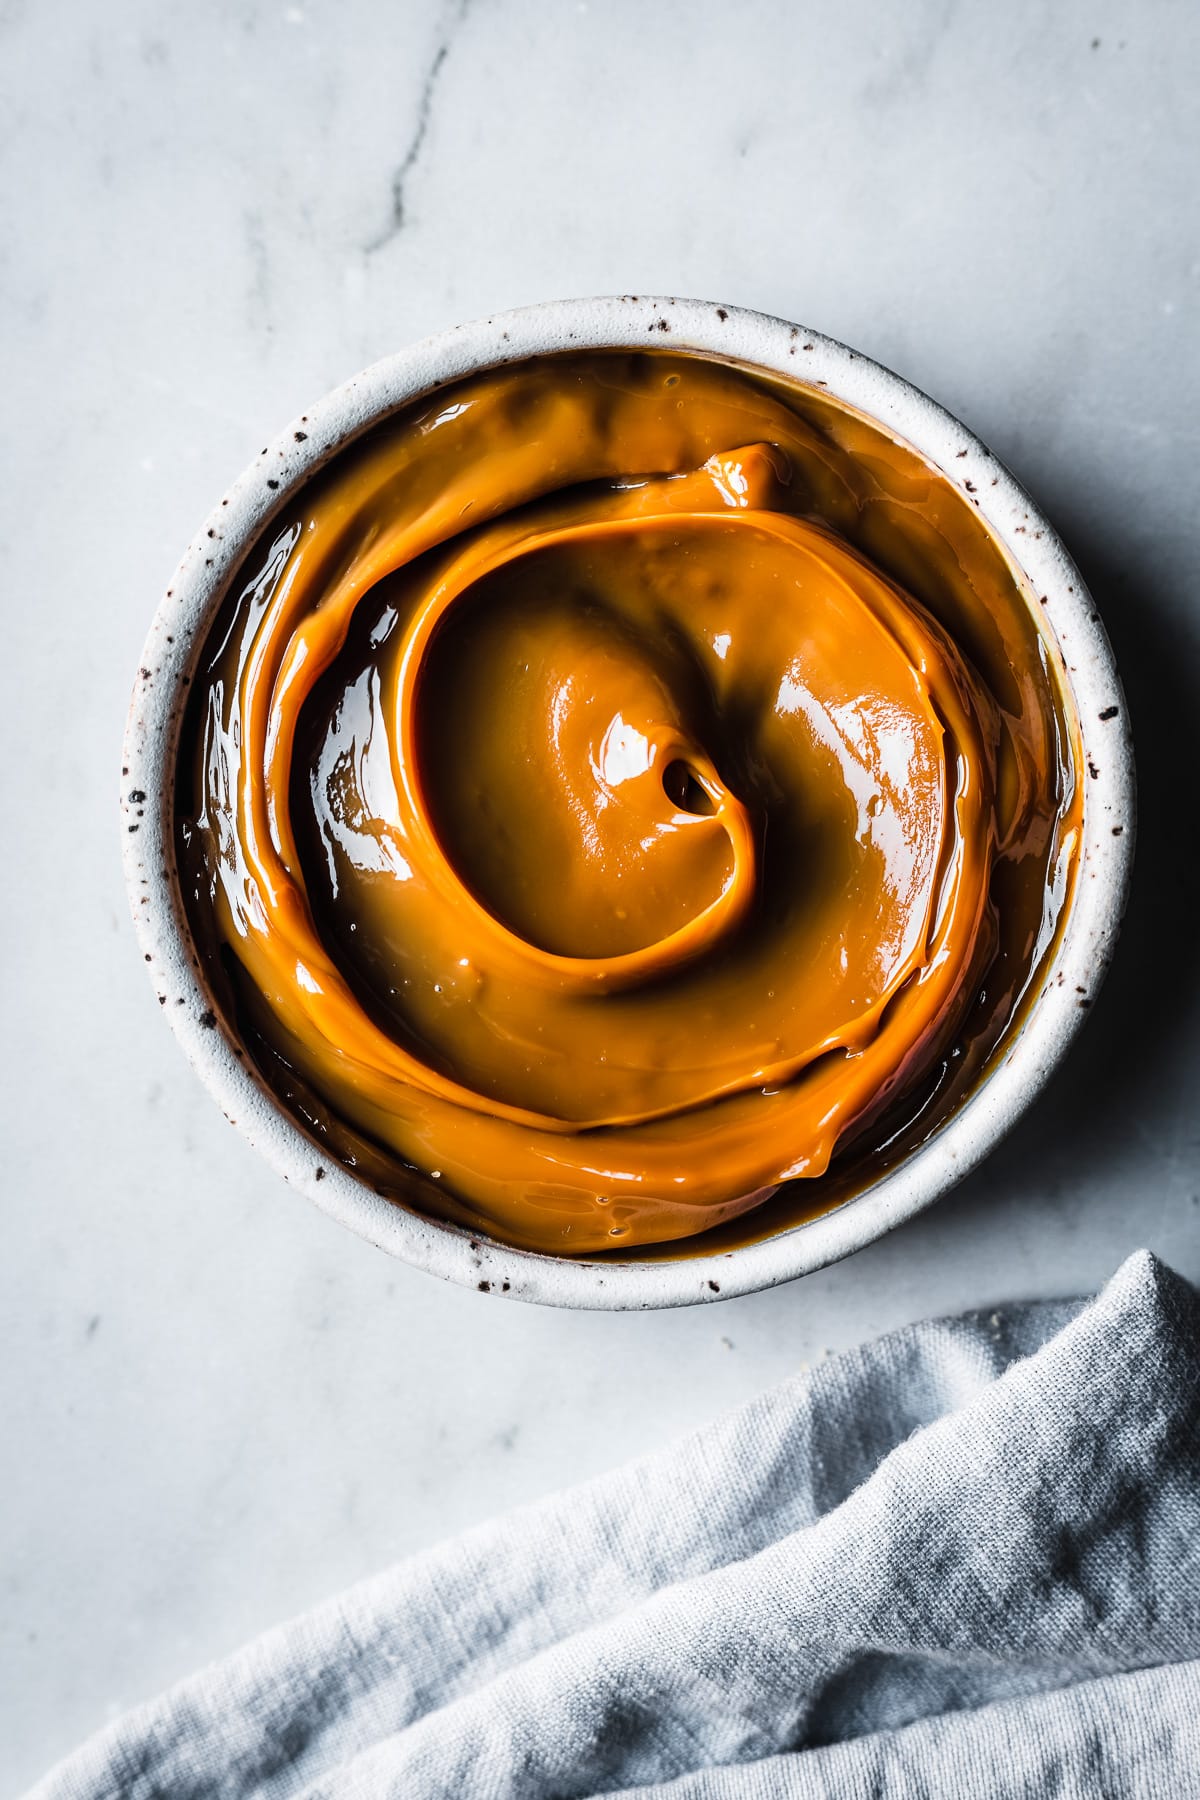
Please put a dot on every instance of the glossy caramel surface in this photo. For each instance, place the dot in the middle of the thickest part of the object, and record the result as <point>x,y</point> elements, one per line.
<point>617,787</point>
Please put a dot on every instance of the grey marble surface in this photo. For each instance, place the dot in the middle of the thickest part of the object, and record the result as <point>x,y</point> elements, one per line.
<point>215,1406</point>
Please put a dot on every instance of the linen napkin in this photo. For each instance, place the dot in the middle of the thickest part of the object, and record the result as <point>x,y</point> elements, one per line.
<point>963,1560</point>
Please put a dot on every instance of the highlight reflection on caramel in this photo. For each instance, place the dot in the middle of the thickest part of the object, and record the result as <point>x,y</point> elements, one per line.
<point>617,785</point>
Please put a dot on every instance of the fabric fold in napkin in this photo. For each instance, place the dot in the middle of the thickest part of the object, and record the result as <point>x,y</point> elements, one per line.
<point>962,1560</point>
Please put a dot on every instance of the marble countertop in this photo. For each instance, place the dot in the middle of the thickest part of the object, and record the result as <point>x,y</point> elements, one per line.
<point>215,1406</point>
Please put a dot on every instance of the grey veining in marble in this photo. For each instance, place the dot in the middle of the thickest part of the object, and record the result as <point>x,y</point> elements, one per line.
<point>216,1407</point>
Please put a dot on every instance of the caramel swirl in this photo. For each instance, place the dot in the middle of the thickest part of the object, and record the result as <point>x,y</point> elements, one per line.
<point>595,836</point>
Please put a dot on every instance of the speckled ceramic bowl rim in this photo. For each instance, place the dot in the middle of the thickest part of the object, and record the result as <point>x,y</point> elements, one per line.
<point>780,348</point>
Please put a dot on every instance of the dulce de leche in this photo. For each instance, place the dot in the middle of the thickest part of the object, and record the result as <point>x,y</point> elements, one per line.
<point>621,794</point>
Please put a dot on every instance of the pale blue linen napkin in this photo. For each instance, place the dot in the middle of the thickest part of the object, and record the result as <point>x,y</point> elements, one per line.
<point>961,1561</point>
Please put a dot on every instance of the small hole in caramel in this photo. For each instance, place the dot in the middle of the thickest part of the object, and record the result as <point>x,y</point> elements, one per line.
<point>685,791</point>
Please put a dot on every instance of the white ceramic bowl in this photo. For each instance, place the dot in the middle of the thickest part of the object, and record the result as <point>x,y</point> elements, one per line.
<point>772,345</point>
